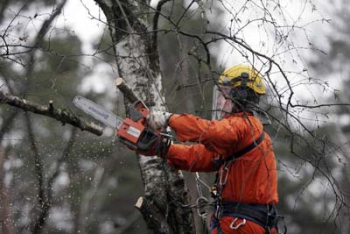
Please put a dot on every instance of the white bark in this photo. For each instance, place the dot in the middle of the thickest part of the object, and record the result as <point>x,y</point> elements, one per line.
<point>134,68</point>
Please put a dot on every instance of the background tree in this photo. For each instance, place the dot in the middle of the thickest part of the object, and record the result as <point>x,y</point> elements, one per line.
<point>330,67</point>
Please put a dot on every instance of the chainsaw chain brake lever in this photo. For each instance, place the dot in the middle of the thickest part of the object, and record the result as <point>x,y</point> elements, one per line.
<point>138,111</point>
<point>134,114</point>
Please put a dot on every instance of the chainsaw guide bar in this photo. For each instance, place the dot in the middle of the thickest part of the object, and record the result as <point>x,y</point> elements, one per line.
<point>98,112</point>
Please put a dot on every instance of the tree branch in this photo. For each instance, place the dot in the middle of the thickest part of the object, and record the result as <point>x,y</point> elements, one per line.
<point>126,90</point>
<point>155,23</point>
<point>61,115</point>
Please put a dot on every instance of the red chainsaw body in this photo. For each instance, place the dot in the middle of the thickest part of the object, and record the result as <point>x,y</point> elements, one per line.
<point>133,131</point>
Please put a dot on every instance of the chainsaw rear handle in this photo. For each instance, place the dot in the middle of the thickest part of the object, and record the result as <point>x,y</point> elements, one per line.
<point>147,140</point>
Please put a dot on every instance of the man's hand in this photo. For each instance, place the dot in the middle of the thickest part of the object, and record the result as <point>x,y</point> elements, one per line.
<point>159,148</point>
<point>158,119</point>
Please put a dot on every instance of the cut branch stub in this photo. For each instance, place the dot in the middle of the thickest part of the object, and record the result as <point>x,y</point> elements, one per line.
<point>154,218</point>
<point>126,90</point>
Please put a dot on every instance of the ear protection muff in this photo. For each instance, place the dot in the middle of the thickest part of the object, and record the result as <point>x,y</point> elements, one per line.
<point>241,93</point>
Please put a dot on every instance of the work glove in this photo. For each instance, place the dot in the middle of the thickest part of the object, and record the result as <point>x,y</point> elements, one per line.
<point>159,148</point>
<point>158,120</point>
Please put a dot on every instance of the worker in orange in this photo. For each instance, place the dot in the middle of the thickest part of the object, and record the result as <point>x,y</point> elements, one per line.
<point>235,145</point>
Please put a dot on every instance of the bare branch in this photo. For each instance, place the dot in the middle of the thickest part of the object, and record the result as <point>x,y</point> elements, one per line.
<point>63,115</point>
<point>126,90</point>
<point>155,23</point>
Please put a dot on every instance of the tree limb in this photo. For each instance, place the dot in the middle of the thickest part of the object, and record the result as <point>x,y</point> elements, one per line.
<point>155,23</point>
<point>61,115</point>
<point>126,90</point>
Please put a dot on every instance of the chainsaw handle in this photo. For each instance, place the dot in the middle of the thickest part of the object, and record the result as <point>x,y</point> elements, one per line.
<point>147,140</point>
<point>145,143</point>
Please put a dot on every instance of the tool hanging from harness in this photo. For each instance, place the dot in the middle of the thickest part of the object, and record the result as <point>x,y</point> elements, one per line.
<point>262,214</point>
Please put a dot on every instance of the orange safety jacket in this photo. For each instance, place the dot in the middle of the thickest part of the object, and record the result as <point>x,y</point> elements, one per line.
<point>251,178</point>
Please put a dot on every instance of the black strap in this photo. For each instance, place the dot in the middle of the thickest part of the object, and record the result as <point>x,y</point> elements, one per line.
<point>221,161</point>
<point>264,215</point>
<point>246,149</point>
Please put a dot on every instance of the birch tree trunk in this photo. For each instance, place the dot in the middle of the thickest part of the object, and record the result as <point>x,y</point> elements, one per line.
<point>138,63</point>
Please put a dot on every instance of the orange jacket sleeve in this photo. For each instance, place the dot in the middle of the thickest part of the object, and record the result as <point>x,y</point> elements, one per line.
<point>192,158</point>
<point>221,136</point>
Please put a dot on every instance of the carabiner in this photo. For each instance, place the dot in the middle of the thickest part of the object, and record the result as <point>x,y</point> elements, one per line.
<point>201,204</point>
<point>224,172</point>
<point>236,227</point>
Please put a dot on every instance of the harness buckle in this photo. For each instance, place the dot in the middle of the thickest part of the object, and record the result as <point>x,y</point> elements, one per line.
<point>214,191</point>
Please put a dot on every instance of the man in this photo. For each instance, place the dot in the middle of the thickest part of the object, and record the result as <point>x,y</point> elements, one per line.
<point>235,145</point>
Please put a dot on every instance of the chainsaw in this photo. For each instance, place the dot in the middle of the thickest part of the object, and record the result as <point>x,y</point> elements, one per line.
<point>132,130</point>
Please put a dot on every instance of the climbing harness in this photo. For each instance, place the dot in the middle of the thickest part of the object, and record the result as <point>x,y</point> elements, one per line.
<point>264,215</point>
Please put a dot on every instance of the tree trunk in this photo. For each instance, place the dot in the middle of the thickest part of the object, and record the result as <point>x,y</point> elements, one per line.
<point>6,219</point>
<point>6,223</point>
<point>138,64</point>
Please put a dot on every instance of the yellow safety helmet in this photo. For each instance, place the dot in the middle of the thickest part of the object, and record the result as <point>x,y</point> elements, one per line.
<point>243,75</point>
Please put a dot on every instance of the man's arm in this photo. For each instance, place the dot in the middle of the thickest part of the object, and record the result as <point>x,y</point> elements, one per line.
<point>192,158</point>
<point>217,136</point>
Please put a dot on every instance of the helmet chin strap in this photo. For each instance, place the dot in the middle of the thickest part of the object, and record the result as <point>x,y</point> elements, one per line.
<point>244,100</point>
<point>238,107</point>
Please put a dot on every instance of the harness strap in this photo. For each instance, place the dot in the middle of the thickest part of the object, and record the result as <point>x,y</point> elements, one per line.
<point>238,154</point>
<point>246,149</point>
<point>264,215</point>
